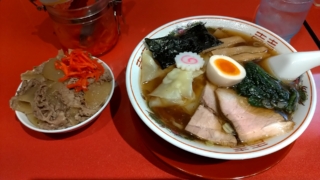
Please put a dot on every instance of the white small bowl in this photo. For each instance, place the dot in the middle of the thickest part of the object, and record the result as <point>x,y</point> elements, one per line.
<point>25,121</point>
<point>302,116</point>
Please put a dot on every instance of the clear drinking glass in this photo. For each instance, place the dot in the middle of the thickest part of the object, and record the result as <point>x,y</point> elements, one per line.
<point>283,17</point>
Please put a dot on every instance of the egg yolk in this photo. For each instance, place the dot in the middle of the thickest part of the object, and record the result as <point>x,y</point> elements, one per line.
<point>227,67</point>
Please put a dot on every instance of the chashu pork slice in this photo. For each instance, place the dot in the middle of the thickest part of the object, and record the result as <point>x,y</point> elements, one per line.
<point>206,125</point>
<point>209,97</point>
<point>251,123</point>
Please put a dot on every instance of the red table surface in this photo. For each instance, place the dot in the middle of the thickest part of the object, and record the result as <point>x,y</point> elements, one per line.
<point>313,20</point>
<point>110,147</point>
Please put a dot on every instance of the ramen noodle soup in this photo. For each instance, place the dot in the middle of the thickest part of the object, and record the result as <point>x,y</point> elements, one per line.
<point>220,94</point>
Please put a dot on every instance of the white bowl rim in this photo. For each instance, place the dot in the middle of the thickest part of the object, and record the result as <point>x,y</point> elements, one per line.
<point>22,116</point>
<point>201,152</point>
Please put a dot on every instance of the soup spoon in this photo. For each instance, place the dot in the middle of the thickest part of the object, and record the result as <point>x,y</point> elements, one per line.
<point>290,66</point>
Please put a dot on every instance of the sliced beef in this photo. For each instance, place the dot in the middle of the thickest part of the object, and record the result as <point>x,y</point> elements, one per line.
<point>66,96</point>
<point>251,123</point>
<point>205,125</point>
<point>106,76</point>
<point>52,103</point>
<point>26,85</point>
<point>47,111</point>
<point>49,103</point>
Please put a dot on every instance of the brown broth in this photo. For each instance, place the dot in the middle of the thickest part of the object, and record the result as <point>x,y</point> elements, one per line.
<point>174,117</point>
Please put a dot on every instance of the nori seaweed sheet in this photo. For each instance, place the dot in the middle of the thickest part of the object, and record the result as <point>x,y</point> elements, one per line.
<point>196,39</point>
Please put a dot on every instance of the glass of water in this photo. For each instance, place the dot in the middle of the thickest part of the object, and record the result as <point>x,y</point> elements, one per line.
<point>283,17</point>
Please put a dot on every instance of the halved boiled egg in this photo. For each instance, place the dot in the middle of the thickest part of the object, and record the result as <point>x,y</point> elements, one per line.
<point>224,71</point>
